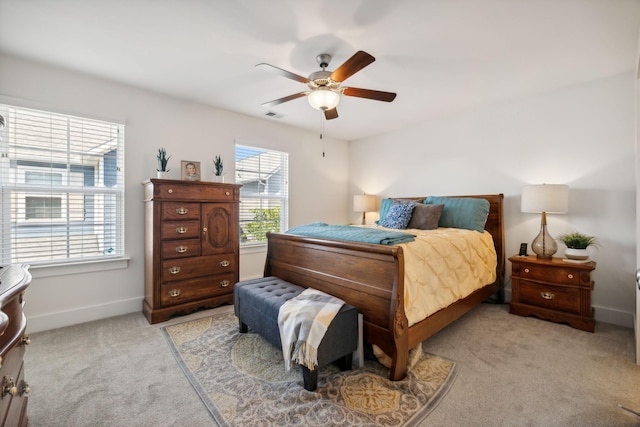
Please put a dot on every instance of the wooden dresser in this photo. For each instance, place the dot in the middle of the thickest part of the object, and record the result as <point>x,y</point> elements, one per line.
<point>192,246</point>
<point>14,280</point>
<point>553,289</point>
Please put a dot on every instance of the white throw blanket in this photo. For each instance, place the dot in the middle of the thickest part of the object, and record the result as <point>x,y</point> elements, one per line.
<point>303,321</point>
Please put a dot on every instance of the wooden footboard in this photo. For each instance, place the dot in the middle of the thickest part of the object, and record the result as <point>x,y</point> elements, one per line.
<point>371,278</point>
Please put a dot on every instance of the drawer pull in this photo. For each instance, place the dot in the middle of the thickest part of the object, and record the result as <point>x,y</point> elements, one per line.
<point>182,249</point>
<point>174,293</point>
<point>224,263</point>
<point>570,276</point>
<point>226,193</point>
<point>8,386</point>
<point>182,211</point>
<point>181,230</point>
<point>547,295</point>
<point>25,340</point>
<point>25,389</point>
<point>526,270</point>
<point>225,283</point>
<point>170,191</point>
<point>174,270</point>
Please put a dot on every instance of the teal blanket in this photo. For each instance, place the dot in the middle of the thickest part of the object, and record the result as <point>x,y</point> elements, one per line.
<point>353,234</point>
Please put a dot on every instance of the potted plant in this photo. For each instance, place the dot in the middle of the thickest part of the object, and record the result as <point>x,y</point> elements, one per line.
<point>162,163</point>
<point>577,244</point>
<point>218,166</point>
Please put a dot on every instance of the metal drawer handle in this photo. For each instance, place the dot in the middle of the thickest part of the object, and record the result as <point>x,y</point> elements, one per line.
<point>226,193</point>
<point>526,270</point>
<point>170,190</point>
<point>174,293</point>
<point>174,270</point>
<point>225,283</point>
<point>181,230</point>
<point>25,340</point>
<point>182,211</point>
<point>547,295</point>
<point>224,263</point>
<point>8,386</point>
<point>181,249</point>
<point>570,276</point>
<point>25,389</point>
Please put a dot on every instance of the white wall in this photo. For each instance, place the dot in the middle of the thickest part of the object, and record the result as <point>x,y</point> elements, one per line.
<point>318,186</point>
<point>582,136</point>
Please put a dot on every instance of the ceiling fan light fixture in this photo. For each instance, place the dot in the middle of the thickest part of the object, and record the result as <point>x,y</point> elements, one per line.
<point>324,98</point>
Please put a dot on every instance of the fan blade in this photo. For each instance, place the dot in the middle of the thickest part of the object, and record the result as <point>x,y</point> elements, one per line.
<point>331,114</point>
<point>285,99</point>
<point>284,73</point>
<point>354,64</point>
<point>369,94</point>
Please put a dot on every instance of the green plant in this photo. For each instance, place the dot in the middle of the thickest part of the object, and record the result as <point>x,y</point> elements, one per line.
<point>264,220</point>
<point>163,160</point>
<point>217,163</point>
<point>578,240</point>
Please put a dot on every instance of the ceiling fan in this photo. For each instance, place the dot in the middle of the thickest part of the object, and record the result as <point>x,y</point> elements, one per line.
<point>324,86</point>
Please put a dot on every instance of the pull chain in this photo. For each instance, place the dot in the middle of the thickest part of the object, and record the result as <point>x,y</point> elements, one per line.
<point>322,133</point>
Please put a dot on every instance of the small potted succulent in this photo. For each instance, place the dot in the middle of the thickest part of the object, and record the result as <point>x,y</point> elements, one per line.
<point>577,244</point>
<point>218,168</point>
<point>162,163</point>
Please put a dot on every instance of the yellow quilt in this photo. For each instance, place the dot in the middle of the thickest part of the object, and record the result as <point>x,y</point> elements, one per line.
<point>444,265</point>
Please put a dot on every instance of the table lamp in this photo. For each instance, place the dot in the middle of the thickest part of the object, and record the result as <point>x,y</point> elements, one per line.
<point>544,199</point>
<point>364,203</point>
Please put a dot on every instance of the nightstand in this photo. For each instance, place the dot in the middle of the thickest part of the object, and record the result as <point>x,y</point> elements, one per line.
<point>552,289</point>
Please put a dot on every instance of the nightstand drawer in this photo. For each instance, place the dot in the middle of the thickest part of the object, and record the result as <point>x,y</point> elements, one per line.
<point>570,276</point>
<point>566,299</point>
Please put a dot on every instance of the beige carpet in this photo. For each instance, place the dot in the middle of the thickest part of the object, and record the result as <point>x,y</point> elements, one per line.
<point>242,381</point>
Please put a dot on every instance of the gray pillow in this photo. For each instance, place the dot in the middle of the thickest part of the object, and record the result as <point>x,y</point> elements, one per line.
<point>425,217</point>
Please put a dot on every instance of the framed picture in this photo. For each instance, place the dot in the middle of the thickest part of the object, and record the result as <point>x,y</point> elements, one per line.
<point>190,171</point>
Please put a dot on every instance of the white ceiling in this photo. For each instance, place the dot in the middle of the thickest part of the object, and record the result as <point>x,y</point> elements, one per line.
<point>440,56</point>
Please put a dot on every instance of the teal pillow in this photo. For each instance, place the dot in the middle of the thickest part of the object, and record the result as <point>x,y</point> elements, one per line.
<point>398,216</point>
<point>385,205</point>
<point>461,212</point>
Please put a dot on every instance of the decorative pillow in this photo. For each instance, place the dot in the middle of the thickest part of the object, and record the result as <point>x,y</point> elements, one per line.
<point>462,212</point>
<point>398,216</point>
<point>425,217</point>
<point>385,204</point>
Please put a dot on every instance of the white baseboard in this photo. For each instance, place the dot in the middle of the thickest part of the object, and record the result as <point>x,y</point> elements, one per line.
<point>45,322</point>
<point>601,314</point>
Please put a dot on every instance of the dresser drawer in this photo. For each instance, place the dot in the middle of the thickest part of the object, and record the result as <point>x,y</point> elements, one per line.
<point>180,248</point>
<point>196,191</point>
<point>190,290</point>
<point>180,210</point>
<point>566,275</point>
<point>188,268</point>
<point>565,299</point>
<point>180,229</point>
<point>11,375</point>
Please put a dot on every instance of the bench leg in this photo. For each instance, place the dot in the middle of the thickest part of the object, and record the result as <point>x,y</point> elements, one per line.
<point>243,328</point>
<point>345,362</point>
<point>310,378</point>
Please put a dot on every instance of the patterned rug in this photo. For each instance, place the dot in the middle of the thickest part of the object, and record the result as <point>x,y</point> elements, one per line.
<point>242,381</point>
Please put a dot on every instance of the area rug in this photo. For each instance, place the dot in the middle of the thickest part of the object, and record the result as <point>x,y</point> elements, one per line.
<point>242,381</point>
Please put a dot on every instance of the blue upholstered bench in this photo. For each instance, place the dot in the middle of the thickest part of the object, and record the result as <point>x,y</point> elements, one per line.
<point>257,303</point>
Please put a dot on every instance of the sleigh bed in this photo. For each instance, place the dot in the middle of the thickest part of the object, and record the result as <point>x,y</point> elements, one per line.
<point>371,277</point>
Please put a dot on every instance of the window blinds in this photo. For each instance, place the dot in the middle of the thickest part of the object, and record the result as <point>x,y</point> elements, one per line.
<point>264,196</point>
<point>62,187</point>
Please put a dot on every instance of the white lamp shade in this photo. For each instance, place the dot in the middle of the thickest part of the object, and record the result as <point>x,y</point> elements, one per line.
<point>364,203</point>
<point>324,98</point>
<point>549,198</point>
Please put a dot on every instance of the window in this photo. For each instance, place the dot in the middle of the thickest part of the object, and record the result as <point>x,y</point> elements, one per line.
<point>264,196</point>
<point>61,188</point>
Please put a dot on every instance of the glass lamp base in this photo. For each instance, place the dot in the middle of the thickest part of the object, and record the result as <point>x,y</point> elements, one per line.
<point>544,246</point>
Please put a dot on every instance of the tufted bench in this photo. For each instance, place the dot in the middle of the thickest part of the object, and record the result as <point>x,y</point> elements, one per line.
<point>257,303</point>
